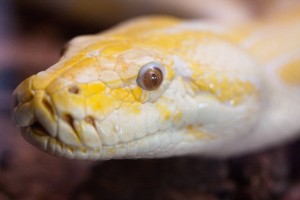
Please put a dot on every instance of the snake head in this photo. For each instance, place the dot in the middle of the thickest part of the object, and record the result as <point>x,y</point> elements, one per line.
<point>139,92</point>
<point>92,100</point>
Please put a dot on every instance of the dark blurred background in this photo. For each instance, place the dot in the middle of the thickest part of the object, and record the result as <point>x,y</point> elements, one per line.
<point>32,34</point>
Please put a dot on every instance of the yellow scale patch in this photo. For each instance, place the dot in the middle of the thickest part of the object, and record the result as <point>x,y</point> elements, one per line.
<point>290,73</point>
<point>105,100</point>
<point>197,133</point>
<point>92,88</point>
<point>177,116</point>
<point>224,89</point>
<point>132,108</point>
<point>101,103</point>
<point>164,111</point>
<point>138,94</point>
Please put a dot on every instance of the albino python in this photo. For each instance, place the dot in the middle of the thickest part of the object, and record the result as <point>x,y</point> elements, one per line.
<point>160,86</point>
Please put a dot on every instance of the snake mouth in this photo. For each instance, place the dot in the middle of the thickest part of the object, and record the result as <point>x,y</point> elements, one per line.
<point>36,134</point>
<point>38,129</point>
<point>39,137</point>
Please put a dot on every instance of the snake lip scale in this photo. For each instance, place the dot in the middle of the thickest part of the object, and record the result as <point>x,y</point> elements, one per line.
<point>36,133</point>
<point>160,86</point>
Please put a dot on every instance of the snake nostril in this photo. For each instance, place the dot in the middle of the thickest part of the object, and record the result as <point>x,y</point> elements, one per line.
<point>74,89</point>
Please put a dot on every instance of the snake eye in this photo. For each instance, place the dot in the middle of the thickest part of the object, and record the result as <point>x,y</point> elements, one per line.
<point>150,76</point>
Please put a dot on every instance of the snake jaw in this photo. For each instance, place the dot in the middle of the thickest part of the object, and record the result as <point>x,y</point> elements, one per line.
<point>36,135</point>
<point>31,128</point>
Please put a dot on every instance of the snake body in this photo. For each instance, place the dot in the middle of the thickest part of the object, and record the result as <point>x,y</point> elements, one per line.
<point>225,89</point>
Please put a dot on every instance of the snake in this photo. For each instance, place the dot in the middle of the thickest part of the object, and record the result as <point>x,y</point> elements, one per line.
<point>161,86</point>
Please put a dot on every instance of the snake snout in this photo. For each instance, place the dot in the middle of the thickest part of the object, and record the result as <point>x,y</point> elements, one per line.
<point>23,115</point>
<point>22,104</point>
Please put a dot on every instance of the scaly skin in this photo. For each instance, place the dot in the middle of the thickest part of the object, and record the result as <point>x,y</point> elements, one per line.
<point>227,90</point>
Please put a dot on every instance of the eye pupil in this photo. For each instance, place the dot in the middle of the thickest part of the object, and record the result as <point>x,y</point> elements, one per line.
<point>154,79</point>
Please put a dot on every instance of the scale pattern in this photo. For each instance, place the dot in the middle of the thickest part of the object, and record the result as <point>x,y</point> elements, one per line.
<point>227,89</point>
